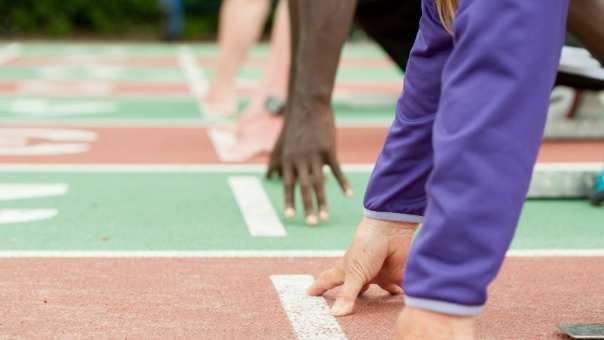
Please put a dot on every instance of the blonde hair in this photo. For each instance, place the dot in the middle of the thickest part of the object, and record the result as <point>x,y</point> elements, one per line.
<point>446,11</point>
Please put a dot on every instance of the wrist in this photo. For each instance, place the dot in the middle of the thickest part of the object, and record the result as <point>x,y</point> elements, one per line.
<point>394,226</point>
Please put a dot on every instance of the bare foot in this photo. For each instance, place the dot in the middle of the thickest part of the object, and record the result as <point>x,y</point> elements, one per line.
<point>417,324</point>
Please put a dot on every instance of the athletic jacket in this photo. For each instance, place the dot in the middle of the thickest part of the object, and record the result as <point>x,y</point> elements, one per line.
<point>460,152</point>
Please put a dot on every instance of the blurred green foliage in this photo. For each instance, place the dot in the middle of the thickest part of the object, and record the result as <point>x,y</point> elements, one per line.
<point>103,18</point>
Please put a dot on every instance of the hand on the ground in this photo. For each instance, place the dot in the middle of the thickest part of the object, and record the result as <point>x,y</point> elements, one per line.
<point>307,142</point>
<point>256,134</point>
<point>417,324</point>
<point>377,255</point>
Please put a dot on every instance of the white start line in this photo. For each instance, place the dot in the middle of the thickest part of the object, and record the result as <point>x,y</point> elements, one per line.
<point>256,208</point>
<point>308,315</point>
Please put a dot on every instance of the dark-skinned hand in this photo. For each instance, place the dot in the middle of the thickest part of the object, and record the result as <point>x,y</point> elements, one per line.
<point>304,146</point>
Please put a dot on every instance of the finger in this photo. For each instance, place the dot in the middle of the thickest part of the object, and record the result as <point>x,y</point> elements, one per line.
<point>364,289</point>
<point>339,175</point>
<point>319,186</point>
<point>305,188</point>
<point>327,280</point>
<point>351,288</point>
<point>288,185</point>
<point>273,166</point>
<point>392,288</point>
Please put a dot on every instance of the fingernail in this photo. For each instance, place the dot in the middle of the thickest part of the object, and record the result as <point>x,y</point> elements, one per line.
<point>311,219</point>
<point>323,214</point>
<point>290,213</point>
<point>348,192</point>
<point>339,309</point>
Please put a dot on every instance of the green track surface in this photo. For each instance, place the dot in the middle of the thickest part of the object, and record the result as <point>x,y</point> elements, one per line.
<point>93,73</point>
<point>358,50</point>
<point>197,211</point>
<point>64,109</point>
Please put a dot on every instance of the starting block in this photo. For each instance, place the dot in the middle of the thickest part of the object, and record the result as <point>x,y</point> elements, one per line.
<point>583,330</point>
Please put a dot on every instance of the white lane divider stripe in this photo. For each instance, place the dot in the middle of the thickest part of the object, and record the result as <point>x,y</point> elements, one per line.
<point>16,191</point>
<point>256,208</point>
<point>196,80</point>
<point>9,52</point>
<point>308,315</point>
<point>25,215</point>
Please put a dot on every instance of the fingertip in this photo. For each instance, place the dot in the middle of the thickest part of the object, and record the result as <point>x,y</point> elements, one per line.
<point>311,219</point>
<point>323,214</point>
<point>315,290</point>
<point>289,213</point>
<point>394,289</point>
<point>348,192</point>
<point>341,308</point>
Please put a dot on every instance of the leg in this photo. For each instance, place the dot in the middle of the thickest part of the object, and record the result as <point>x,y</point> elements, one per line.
<point>585,21</point>
<point>392,24</point>
<point>241,24</point>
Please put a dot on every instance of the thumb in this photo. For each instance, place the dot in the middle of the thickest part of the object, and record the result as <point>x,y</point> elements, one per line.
<point>344,304</point>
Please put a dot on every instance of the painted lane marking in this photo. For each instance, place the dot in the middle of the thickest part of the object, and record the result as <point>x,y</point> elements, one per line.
<point>95,71</point>
<point>16,142</point>
<point>196,80</point>
<point>40,107</point>
<point>8,216</point>
<point>77,88</point>
<point>223,143</point>
<point>256,207</point>
<point>594,167</point>
<point>208,254</point>
<point>18,191</point>
<point>308,315</point>
<point>9,52</point>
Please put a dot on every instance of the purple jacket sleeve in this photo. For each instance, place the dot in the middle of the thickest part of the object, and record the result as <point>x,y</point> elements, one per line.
<point>494,83</point>
<point>396,190</point>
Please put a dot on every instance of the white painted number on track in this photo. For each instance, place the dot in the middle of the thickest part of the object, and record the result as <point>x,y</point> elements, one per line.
<point>15,142</point>
<point>309,315</point>
<point>18,191</point>
<point>256,207</point>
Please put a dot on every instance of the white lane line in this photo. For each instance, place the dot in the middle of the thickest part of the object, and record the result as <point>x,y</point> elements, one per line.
<point>228,168</point>
<point>223,143</point>
<point>9,52</point>
<point>308,315</point>
<point>256,207</point>
<point>16,191</point>
<point>201,254</point>
<point>196,80</point>
<point>9,216</point>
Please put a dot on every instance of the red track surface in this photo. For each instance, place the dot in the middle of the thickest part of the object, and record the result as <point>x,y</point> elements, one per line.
<point>234,299</point>
<point>157,145</point>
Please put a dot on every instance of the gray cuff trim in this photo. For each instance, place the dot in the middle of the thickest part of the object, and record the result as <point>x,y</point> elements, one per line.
<point>390,216</point>
<point>443,307</point>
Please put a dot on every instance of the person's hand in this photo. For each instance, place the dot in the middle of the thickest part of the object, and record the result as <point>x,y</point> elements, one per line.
<point>377,255</point>
<point>307,142</point>
<point>417,324</point>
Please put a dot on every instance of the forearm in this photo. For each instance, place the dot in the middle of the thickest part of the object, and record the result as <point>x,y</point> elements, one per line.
<point>319,30</point>
<point>487,134</point>
<point>396,190</point>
